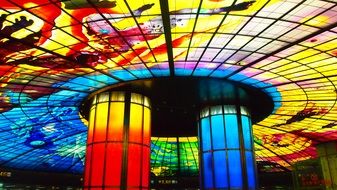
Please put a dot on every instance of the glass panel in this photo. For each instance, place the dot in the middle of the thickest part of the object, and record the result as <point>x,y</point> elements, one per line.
<point>103,97</point>
<point>113,167</point>
<point>232,133</point>
<point>116,121</point>
<point>88,165</point>
<point>101,122</point>
<point>220,169</point>
<point>91,125</point>
<point>250,165</point>
<point>117,96</point>
<point>205,134</point>
<point>136,123</point>
<point>218,136</point>
<point>146,166</point>
<point>136,98</point>
<point>215,110</point>
<point>147,126</point>
<point>97,164</point>
<point>235,173</point>
<point>134,165</point>
<point>246,131</point>
<point>207,170</point>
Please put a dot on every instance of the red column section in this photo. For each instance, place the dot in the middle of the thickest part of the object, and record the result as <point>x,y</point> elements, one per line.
<point>97,165</point>
<point>134,166</point>
<point>113,168</point>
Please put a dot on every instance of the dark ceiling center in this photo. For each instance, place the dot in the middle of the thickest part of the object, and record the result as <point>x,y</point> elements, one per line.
<point>176,101</point>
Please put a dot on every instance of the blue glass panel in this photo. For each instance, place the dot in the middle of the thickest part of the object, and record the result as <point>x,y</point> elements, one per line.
<point>122,74</point>
<point>103,78</point>
<point>250,81</point>
<point>221,73</point>
<point>141,73</point>
<point>262,84</point>
<point>218,135</point>
<point>182,72</point>
<point>207,170</point>
<point>250,170</point>
<point>232,133</point>
<point>246,132</point>
<point>86,82</point>
<point>220,169</point>
<point>205,134</point>
<point>201,72</point>
<point>235,173</point>
<point>160,72</point>
<point>238,77</point>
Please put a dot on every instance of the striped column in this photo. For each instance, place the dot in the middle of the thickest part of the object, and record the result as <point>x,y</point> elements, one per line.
<point>118,144</point>
<point>226,148</point>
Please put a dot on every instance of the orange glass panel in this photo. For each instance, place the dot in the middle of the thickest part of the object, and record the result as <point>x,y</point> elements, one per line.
<point>136,122</point>
<point>116,121</point>
<point>147,126</point>
<point>101,122</point>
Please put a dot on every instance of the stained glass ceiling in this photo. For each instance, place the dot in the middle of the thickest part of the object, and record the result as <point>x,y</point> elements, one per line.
<point>53,54</point>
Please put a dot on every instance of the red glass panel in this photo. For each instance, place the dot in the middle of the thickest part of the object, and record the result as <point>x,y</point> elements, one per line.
<point>87,165</point>
<point>134,165</point>
<point>113,170</point>
<point>97,165</point>
<point>146,166</point>
<point>147,126</point>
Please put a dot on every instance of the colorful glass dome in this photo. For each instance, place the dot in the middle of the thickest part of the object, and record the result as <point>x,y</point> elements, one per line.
<point>53,54</point>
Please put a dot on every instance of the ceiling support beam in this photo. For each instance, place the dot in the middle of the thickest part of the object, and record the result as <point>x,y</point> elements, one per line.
<point>167,31</point>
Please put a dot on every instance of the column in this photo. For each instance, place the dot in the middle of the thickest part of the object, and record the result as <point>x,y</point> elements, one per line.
<point>226,148</point>
<point>118,144</point>
<point>327,153</point>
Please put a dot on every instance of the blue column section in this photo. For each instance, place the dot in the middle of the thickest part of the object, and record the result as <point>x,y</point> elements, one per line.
<point>226,149</point>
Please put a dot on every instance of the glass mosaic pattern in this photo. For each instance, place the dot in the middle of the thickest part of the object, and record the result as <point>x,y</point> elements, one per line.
<point>54,53</point>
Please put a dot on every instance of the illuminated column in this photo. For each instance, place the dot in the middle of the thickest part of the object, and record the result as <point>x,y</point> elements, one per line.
<point>118,145</point>
<point>226,148</point>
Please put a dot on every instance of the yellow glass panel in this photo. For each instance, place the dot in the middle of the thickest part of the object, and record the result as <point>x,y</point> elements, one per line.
<point>103,97</point>
<point>136,122</point>
<point>327,46</point>
<point>314,58</point>
<point>101,122</point>
<point>303,54</point>
<point>117,96</point>
<point>171,139</point>
<point>116,121</point>
<point>136,98</point>
<point>183,139</point>
<point>91,124</point>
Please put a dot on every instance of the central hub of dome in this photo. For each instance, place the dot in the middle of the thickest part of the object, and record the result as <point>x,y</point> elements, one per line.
<point>176,102</point>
